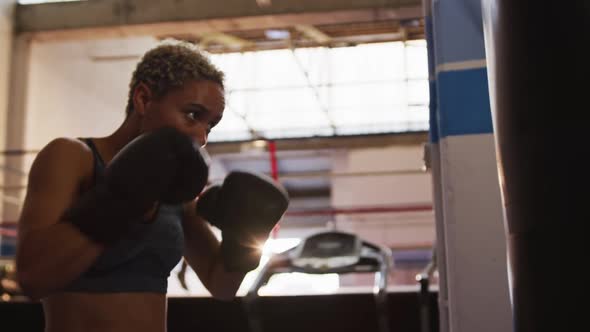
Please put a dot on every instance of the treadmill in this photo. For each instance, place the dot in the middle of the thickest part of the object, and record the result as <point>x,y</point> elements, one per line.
<point>323,253</point>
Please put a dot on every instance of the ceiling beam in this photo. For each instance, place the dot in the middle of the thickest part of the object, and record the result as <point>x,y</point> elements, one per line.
<point>126,18</point>
<point>224,39</point>
<point>325,143</point>
<point>313,33</point>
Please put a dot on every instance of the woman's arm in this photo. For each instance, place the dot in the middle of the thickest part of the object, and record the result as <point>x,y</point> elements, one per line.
<point>201,250</point>
<point>51,253</point>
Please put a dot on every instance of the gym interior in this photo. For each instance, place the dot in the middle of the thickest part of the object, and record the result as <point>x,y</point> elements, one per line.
<point>429,149</point>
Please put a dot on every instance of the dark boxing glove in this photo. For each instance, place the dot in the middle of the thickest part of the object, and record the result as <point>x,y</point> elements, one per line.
<point>245,208</point>
<point>163,166</point>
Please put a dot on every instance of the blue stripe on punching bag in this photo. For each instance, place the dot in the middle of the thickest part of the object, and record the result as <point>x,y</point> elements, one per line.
<point>463,96</point>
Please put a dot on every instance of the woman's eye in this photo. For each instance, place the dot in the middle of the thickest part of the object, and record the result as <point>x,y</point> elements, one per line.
<point>192,115</point>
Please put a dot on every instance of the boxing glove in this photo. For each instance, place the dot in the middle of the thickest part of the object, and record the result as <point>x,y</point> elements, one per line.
<point>245,207</point>
<point>162,166</point>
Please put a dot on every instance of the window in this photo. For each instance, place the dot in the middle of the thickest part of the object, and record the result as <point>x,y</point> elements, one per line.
<point>366,89</point>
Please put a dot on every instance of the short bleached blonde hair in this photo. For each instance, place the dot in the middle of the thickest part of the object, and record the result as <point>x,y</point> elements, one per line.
<point>168,66</point>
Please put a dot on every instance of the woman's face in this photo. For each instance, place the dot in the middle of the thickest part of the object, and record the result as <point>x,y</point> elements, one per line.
<point>193,109</point>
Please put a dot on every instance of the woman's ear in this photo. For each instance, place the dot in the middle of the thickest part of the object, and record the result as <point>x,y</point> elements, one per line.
<point>142,96</point>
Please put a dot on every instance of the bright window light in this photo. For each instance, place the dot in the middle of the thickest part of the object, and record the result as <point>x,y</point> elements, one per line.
<point>275,246</point>
<point>32,2</point>
<point>272,246</point>
<point>301,284</point>
<point>366,89</point>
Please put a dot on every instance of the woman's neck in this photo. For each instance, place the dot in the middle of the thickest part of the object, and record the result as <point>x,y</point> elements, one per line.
<point>112,144</point>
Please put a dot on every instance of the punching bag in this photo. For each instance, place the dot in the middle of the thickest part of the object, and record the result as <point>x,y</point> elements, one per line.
<point>538,67</point>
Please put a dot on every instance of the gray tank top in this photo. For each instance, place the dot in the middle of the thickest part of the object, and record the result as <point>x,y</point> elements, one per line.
<point>141,263</point>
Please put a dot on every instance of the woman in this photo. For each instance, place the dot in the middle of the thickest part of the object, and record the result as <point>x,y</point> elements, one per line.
<point>89,285</point>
